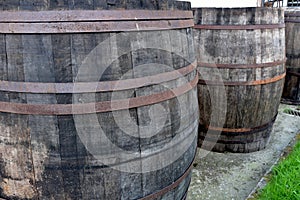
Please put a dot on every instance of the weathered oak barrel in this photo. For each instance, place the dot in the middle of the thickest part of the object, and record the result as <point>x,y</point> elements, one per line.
<point>291,91</point>
<point>241,56</point>
<point>98,99</point>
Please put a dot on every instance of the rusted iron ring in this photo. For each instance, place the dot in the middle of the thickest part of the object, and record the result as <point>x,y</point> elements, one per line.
<point>241,66</point>
<point>96,107</point>
<point>293,74</point>
<point>292,20</point>
<point>292,14</point>
<point>91,87</point>
<point>243,83</point>
<point>242,131</point>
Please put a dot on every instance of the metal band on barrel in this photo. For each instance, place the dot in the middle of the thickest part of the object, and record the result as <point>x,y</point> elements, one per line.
<point>172,186</point>
<point>293,74</point>
<point>242,131</point>
<point>243,83</point>
<point>239,27</point>
<point>96,107</point>
<point>92,27</point>
<point>292,20</point>
<point>105,86</point>
<point>25,22</point>
<point>241,66</point>
<point>289,101</point>
<point>290,17</point>
<point>292,14</point>
<point>213,139</point>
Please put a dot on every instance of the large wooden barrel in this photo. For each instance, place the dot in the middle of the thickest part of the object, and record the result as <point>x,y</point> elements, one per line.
<point>241,56</point>
<point>291,91</point>
<point>98,99</point>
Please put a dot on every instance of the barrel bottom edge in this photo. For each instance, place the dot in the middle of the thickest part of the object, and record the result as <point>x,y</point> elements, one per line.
<point>186,193</point>
<point>235,148</point>
<point>290,101</point>
<point>236,143</point>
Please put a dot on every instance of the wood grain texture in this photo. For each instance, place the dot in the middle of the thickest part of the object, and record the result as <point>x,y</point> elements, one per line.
<point>291,92</point>
<point>15,141</point>
<point>247,106</point>
<point>47,157</point>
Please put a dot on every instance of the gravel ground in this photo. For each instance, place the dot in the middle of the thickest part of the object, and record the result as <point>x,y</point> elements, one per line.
<point>234,176</point>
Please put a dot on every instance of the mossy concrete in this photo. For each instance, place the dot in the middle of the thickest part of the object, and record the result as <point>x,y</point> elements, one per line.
<point>218,176</point>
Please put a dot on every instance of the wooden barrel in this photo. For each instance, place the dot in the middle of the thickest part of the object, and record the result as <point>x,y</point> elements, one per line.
<point>98,99</point>
<point>241,55</point>
<point>291,91</point>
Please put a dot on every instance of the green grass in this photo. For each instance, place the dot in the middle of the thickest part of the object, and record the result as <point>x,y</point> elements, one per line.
<point>285,179</point>
<point>287,110</point>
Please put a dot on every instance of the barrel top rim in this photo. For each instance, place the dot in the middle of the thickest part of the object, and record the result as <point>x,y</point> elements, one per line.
<point>237,8</point>
<point>91,15</point>
<point>239,27</point>
<point>288,9</point>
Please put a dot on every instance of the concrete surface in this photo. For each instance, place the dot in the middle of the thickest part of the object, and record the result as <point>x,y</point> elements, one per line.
<point>234,176</point>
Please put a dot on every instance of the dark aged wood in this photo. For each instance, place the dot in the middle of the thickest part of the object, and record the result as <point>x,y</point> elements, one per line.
<point>43,154</point>
<point>245,51</point>
<point>291,91</point>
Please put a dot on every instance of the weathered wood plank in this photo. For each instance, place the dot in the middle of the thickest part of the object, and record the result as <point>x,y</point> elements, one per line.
<point>38,67</point>
<point>102,5</point>
<point>3,66</point>
<point>15,136</point>
<point>59,4</point>
<point>91,179</point>
<point>13,5</point>
<point>62,73</point>
<point>153,181</point>
<point>124,69</point>
<point>82,5</point>
<point>34,5</point>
